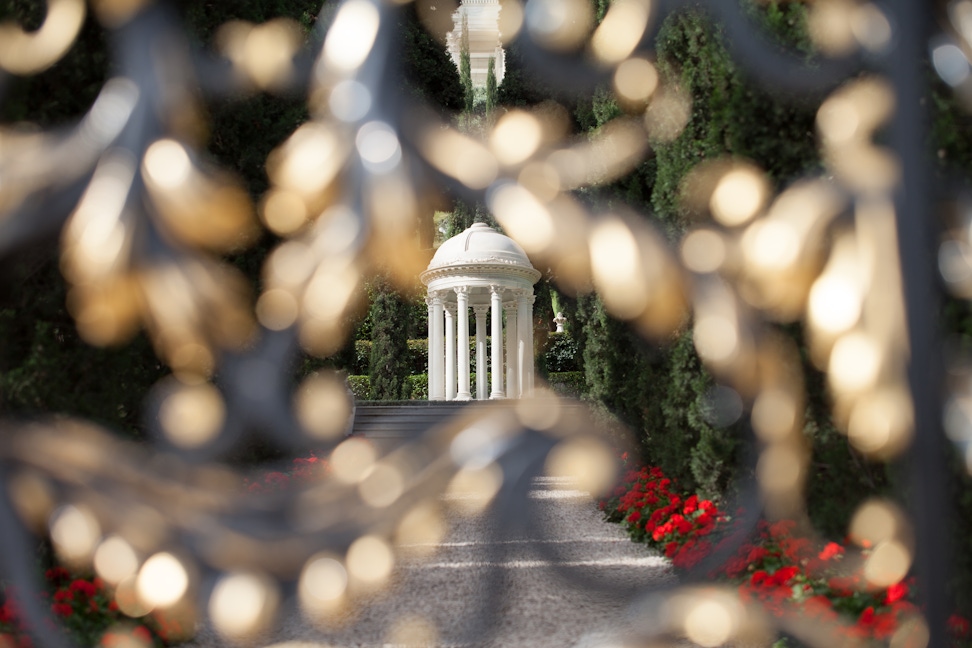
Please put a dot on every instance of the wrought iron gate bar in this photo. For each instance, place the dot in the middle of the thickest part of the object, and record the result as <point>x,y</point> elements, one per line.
<point>143,219</point>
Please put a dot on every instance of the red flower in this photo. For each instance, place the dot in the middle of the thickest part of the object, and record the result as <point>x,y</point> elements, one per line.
<point>85,587</point>
<point>634,517</point>
<point>55,574</point>
<point>759,577</point>
<point>275,478</point>
<point>62,609</point>
<point>782,528</point>
<point>819,606</point>
<point>6,613</point>
<point>895,593</point>
<point>841,586</point>
<point>62,595</point>
<point>784,575</point>
<point>958,625</point>
<point>831,550</point>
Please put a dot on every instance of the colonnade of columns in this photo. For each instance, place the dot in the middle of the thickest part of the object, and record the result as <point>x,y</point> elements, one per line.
<point>449,367</point>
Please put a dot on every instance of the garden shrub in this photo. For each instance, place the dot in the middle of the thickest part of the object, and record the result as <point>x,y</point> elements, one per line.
<point>362,357</point>
<point>775,567</point>
<point>560,354</point>
<point>389,362</point>
<point>567,383</point>
<point>360,386</point>
<point>416,387</point>
<point>418,356</point>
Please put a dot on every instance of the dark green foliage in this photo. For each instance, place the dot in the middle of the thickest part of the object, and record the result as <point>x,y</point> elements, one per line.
<point>465,69</point>
<point>951,128</point>
<point>729,115</point>
<point>521,87</point>
<point>204,18</point>
<point>416,387</point>
<point>700,456</point>
<point>64,92</point>
<point>418,356</point>
<point>618,369</point>
<point>561,353</point>
<point>389,343</point>
<point>784,22</point>
<point>429,72</point>
<point>234,123</point>
<point>46,368</point>
<point>360,386</point>
<point>463,216</point>
<point>568,383</point>
<point>491,85</point>
<point>839,478</point>
<point>362,357</point>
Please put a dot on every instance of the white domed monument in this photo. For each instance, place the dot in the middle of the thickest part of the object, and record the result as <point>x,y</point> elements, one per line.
<point>490,273</point>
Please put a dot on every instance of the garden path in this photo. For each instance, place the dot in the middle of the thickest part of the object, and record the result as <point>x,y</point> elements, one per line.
<point>534,605</point>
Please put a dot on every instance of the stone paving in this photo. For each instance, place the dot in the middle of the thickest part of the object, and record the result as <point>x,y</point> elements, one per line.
<point>517,579</point>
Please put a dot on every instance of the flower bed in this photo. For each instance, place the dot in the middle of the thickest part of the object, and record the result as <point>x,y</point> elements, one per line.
<point>300,470</point>
<point>776,568</point>
<point>85,607</point>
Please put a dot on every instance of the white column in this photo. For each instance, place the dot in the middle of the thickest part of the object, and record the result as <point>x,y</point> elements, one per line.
<point>524,345</point>
<point>482,374</point>
<point>512,375</point>
<point>450,352</point>
<point>436,352</point>
<point>496,361</point>
<point>530,366</point>
<point>462,315</point>
<point>430,363</point>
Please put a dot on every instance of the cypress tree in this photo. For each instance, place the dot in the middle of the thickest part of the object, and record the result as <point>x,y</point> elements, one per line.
<point>465,68</point>
<point>389,363</point>
<point>491,91</point>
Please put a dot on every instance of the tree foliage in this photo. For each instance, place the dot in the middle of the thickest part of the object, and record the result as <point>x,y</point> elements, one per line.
<point>465,68</point>
<point>389,363</point>
<point>491,85</point>
<point>429,72</point>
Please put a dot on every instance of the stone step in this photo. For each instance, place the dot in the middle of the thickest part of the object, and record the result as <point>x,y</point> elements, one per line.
<point>406,419</point>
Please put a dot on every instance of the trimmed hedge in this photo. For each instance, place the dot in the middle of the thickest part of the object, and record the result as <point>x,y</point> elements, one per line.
<point>418,357</point>
<point>560,353</point>
<point>360,387</point>
<point>416,387</point>
<point>417,360</point>
<point>568,383</point>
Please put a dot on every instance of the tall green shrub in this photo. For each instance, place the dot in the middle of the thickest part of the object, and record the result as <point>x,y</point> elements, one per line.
<point>389,343</point>
<point>491,85</point>
<point>465,68</point>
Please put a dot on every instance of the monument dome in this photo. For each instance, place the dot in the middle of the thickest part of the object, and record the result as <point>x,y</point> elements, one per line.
<point>488,271</point>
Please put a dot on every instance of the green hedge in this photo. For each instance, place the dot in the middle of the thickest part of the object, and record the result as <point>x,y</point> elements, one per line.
<point>417,362</point>
<point>416,387</point>
<point>560,354</point>
<point>360,387</point>
<point>418,356</point>
<point>567,383</point>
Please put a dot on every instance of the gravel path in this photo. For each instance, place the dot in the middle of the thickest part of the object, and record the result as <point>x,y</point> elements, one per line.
<point>535,598</point>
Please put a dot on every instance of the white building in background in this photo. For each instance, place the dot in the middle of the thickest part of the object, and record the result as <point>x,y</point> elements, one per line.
<point>481,17</point>
<point>490,273</point>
